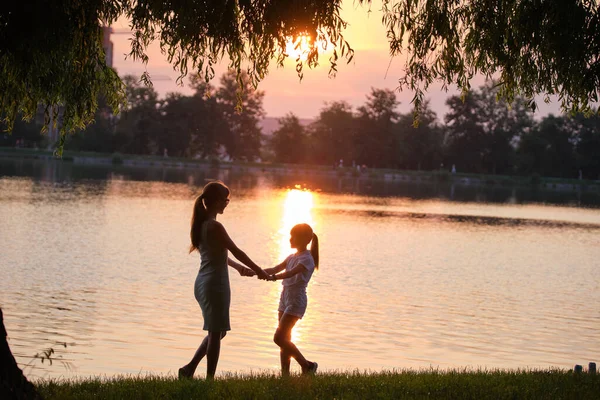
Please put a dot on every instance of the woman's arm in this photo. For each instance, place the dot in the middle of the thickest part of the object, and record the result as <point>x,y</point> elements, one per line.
<point>220,233</point>
<point>277,268</point>
<point>240,268</point>
<point>288,274</point>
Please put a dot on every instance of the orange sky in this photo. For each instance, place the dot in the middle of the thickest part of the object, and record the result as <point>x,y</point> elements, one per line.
<point>285,93</point>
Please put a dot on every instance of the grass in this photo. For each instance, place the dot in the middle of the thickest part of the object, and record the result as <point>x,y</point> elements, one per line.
<point>407,384</point>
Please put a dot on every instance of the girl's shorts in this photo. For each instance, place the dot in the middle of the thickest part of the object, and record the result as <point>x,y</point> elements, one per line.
<point>293,301</point>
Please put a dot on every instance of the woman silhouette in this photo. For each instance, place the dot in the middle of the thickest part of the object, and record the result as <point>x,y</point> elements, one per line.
<point>211,288</point>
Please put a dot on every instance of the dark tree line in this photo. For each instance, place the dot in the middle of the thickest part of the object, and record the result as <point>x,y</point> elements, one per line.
<point>478,134</point>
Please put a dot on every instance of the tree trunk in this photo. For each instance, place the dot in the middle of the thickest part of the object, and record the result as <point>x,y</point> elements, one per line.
<point>13,384</point>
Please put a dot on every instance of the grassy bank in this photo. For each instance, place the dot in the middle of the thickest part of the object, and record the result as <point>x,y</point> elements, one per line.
<point>534,384</point>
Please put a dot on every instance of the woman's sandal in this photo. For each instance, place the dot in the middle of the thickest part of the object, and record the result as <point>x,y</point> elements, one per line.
<point>182,374</point>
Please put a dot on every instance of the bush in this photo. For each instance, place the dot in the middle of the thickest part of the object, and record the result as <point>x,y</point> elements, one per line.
<point>442,176</point>
<point>535,179</point>
<point>117,159</point>
<point>214,162</point>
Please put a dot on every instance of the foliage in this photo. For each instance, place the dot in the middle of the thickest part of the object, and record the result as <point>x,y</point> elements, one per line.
<point>531,47</point>
<point>421,146</point>
<point>549,150</point>
<point>482,132</point>
<point>52,54</point>
<point>332,134</point>
<point>587,145</point>
<point>290,142</point>
<point>478,134</point>
<point>242,107</point>
<point>409,384</point>
<point>375,141</point>
<point>139,123</point>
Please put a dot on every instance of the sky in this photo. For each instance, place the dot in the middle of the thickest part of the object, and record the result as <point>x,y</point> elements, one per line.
<point>372,67</point>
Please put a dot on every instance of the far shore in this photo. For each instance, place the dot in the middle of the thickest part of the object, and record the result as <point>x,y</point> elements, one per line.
<point>441,176</point>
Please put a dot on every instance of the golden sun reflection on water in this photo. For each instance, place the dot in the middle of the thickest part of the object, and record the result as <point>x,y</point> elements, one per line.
<point>297,209</point>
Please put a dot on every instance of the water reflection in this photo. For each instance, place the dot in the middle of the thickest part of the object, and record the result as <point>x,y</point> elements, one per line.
<point>243,179</point>
<point>102,263</point>
<point>297,209</point>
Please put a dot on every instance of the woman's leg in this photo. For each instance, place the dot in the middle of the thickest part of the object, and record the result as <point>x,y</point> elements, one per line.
<point>283,339</point>
<point>188,370</point>
<point>212,352</point>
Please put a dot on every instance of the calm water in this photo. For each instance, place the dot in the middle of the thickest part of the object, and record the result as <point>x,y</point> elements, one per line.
<point>411,276</point>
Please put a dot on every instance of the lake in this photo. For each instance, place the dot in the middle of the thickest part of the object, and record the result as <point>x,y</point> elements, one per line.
<point>412,275</point>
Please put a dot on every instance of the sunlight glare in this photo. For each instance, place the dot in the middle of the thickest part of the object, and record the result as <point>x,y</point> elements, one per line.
<point>297,207</point>
<point>299,48</point>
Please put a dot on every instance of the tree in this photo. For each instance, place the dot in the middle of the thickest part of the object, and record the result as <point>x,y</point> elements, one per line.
<point>375,141</point>
<point>138,126</point>
<point>243,109</point>
<point>533,47</point>
<point>503,125</point>
<point>548,149</point>
<point>420,146</point>
<point>54,55</point>
<point>332,134</point>
<point>289,141</point>
<point>13,384</point>
<point>99,135</point>
<point>587,145</point>
<point>465,133</point>
<point>192,125</point>
<point>482,130</point>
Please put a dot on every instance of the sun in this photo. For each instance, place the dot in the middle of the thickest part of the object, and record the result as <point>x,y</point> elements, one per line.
<point>299,47</point>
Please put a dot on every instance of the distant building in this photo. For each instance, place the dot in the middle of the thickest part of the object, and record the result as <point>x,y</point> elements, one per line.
<point>107,45</point>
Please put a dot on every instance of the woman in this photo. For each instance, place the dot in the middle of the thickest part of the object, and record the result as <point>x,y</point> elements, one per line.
<point>211,288</point>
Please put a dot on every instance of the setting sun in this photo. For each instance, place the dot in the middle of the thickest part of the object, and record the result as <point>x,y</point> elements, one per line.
<point>297,207</point>
<point>299,48</point>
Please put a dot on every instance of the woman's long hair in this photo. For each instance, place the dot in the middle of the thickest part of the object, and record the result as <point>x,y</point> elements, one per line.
<point>212,192</point>
<point>305,233</point>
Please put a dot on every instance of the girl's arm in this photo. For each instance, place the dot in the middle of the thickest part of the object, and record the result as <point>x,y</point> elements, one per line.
<point>276,268</point>
<point>240,268</point>
<point>220,233</point>
<point>288,274</point>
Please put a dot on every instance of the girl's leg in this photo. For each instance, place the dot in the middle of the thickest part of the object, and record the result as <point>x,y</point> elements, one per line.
<point>188,370</point>
<point>212,352</point>
<point>283,339</point>
<point>284,357</point>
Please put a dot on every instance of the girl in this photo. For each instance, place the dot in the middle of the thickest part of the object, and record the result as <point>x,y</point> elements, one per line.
<point>211,288</point>
<point>299,268</point>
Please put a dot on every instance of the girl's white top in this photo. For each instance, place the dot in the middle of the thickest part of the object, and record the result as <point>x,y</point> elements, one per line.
<point>304,258</point>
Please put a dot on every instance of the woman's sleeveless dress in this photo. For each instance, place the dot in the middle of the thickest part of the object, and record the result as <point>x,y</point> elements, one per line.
<point>211,288</point>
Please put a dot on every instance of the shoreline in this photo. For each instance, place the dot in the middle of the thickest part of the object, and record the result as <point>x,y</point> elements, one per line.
<point>376,174</point>
<point>432,383</point>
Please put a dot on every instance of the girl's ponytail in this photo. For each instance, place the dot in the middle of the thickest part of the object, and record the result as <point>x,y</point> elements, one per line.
<point>314,249</point>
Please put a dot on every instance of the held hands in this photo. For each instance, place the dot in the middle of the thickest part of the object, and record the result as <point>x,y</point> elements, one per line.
<point>262,275</point>
<point>246,272</point>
